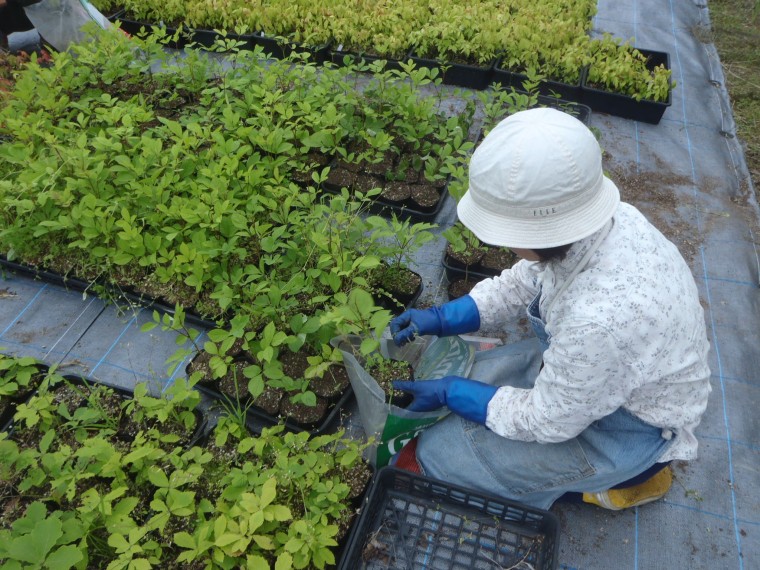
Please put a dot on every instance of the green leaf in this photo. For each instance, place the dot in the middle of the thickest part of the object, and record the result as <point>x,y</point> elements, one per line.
<point>158,478</point>
<point>268,492</point>
<point>284,562</point>
<point>184,540</point>
<point>65,557</point>
<point>227,539</point>
<point>256,562</point>
<point>308,398</point>
<point>35,546</point>
<point>294,544</point>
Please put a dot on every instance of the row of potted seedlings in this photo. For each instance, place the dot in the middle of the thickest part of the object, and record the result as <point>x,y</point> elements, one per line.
<point>96,477</point>
<point>205,191</point>
<point>470,45</point>
<point>93,476</point>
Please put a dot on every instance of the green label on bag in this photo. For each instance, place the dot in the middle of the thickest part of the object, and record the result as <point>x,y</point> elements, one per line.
<point>398,432</point>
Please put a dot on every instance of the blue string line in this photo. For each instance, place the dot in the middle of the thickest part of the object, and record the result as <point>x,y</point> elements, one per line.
<point>752,446</point>
<point>725,418</point>
<point>636,538</point>
<point>123,332</point>
<point>60,338</point>
<point>709,300</point>
<point>39,347</point>
<point>738,380</point>
<point>29,304</point>
<point>710,513</point>
<point>733,281</point>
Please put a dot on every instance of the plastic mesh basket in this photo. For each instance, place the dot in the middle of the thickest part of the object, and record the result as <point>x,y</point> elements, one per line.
<point>416,523</point>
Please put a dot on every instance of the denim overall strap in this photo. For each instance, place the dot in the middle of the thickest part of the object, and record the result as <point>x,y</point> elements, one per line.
<point>539,327</point>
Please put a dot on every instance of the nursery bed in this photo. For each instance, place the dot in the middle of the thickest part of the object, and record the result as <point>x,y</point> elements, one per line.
<point>692,182</point>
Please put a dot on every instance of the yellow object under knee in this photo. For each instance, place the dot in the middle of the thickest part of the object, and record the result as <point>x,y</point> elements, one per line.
<point>650,490</point>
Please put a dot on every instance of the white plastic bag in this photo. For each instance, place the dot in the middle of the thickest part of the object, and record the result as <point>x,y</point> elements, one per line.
<point>60,22</point>
<point>392,426</point>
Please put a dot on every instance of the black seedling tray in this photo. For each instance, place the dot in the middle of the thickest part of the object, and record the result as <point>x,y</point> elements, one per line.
<point>257,419</point>
<point>403,211</point>
<point>412,522</point>
<point>201,423</point>
<point>625,106</point>
<point>80,285</point>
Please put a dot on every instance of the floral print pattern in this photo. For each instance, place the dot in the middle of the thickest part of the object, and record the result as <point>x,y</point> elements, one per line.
<point>628,331</point>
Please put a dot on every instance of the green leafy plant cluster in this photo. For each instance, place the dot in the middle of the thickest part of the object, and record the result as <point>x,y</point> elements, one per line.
<point>620,68</point>
<point>19,378</point>
<point>91,479</point>
<point>200,186</point>
<point>550,38</point>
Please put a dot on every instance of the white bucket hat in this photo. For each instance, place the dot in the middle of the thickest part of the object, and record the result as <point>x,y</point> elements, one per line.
<point>536,181</point>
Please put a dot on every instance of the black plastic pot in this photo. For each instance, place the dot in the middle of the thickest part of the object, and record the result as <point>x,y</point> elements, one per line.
<point>405,300</point>
<point>457,270</point>
<point>258,419</point>
<point>577,110</point>
<point>458,74</point>
<point>201,421</point>
<point>419,522</point>
<point>625,106</point>
<point>547,87</point>
<point>280,48</point>
<point>115,15</point>
<point>135,27</point>
<point>187,37</point>
<point>456,283</point>
<point>340,57</point>
<point>404,210</point>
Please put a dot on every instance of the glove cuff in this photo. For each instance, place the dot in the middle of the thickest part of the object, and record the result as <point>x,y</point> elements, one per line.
<point>469,399</point>
<point>459,316</point>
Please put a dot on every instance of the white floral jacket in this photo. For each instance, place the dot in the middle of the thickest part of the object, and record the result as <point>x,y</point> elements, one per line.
<point>628,331</point>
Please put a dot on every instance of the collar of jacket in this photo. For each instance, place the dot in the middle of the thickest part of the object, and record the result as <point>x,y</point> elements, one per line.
<point>558,271</point>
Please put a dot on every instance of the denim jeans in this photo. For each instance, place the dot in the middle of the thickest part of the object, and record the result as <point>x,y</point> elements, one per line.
<point>611,450</point>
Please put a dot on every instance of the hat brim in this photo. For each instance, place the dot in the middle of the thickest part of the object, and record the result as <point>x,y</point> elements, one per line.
<point>499,229</point>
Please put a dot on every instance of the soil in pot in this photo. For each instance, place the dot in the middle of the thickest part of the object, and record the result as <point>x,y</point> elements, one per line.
<point>357,478</point>
<point>381,167</point>
<point>396,286</point>
<point>303,414</point>
<point>385,371</point>
<point>468,257</point>
<point>425,195</point>
<point>348,165</point>
<point>234,384</point>
<point>396,191</point>
<point>498,258</point>
<point>269,400</point>
<point>330,385</point>
<point>201,362</point>
<point>460,288</point>
<point>366,182</point>
<point>340,178</point>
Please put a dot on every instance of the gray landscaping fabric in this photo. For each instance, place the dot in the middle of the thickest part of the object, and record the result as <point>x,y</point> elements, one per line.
<point>689,177</point>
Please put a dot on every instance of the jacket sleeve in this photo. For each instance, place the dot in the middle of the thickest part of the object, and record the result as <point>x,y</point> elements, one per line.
<point>585,377</point>
<point>503,299</point>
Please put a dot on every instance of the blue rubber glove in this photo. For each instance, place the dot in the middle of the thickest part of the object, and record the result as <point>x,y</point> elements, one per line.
<point>465,397</point>
<point>455,317</point>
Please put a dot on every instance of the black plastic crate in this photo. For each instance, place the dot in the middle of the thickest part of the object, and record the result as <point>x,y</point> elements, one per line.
<point>412,522</point>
